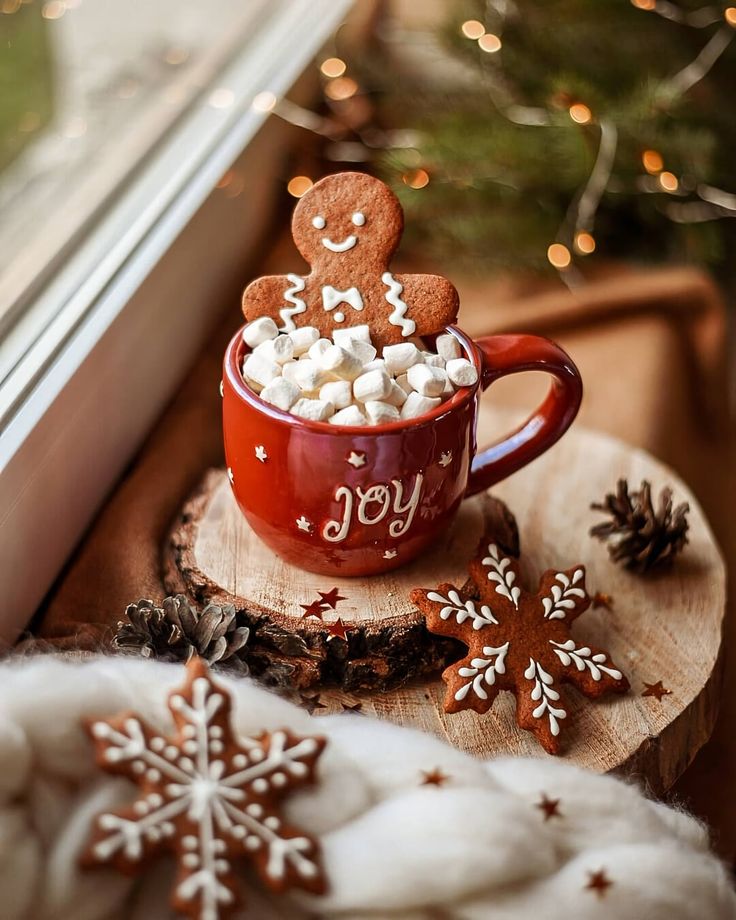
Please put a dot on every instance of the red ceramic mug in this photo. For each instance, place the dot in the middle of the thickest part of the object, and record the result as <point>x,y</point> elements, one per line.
<point>363,500</point>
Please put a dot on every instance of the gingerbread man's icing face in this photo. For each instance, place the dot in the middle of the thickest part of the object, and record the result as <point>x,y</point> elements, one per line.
<point>340,222</point>
<point>348,227</point>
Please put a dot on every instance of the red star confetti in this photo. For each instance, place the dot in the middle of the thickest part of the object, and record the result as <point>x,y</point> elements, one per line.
<point>331,597</point>
<point>434,777</point>
<point>656,690</point>
<point>517,641</point>
<point>550,807</point>
<point>315,609</point>
<point>337,630</point>
<point>598,882</point>
<point>207,795</point>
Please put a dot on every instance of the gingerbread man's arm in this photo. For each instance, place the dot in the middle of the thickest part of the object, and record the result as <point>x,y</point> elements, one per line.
<point>277,296</point>
<point>433,302</point>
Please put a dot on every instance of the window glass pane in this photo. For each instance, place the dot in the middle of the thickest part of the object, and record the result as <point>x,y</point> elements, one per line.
<point>87,90</point>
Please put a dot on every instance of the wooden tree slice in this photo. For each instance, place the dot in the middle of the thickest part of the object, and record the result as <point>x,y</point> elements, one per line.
<point>665,627</point>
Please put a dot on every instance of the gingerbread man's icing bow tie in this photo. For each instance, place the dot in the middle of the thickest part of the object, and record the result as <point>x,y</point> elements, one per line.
<point>347,227</point>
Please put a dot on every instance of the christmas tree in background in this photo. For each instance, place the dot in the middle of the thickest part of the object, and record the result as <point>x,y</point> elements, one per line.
<point>554,133</point>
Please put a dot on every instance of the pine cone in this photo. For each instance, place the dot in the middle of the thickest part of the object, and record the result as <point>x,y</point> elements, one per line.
<point>176,631</point>
<point>642,538</point>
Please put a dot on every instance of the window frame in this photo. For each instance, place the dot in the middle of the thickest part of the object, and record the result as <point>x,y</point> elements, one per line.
<point>72,414</point>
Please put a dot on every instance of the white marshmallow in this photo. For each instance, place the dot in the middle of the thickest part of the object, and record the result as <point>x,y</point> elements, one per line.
<point>260,370</point>
<point>281,393</point>
<point>350,415</point>
<point>433,360</point>
<point>260,330</point>
<point>397,396</point>
<point>363,351</point>
<point>426,379</point>
<point>417,405</point>
<point>338,392</point>
<point>403,382</point>
<point>448,346</point>
<point>401,357</point>
<point>287,370</point>
<point>375,384</point>
<point>461,372</point>
<point>340,363</point>
<point>377,364</point>
<point>380,412</point>
<point>303,338</point>
<point>308,375</point>
<point>318,348</point>
<point>280,349</point>
<point>361,333</point>
<point>316,410</point>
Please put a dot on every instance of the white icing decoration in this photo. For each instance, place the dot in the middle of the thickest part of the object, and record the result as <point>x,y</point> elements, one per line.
<point>562,598</point>
<point>583,658</point>
<point>544,693</point>
<point>339,317</point>
<point>463,610</point>
<point>358,218</point>
<point>335,531</point>
<point>501,574</point>
<point>318,222</point>
<point>303,524</point>
<point>213,799</point>
<point>483,671</point>
<point>398,317</point>
<point>346,244</point>
<point>299,306</point>
<point>331,297</point>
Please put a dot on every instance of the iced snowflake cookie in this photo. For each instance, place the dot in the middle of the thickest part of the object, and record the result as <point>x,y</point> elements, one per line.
<point>348,227</point>
<point>517,641</point>
<point>209,796</point>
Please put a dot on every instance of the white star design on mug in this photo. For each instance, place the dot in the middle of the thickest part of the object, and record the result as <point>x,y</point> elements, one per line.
<point>356,459</point>
<point>445,458</point>
<point>391,554</point>
<point>261,453</point>
<point>303,524</point>
<point>230,475</point>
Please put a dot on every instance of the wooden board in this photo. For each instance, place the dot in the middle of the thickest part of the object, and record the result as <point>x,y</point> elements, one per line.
<point>665,627</point>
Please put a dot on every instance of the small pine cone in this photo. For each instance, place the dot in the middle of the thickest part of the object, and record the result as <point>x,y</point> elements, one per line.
<point>176,631</point>
<point>640,537</point>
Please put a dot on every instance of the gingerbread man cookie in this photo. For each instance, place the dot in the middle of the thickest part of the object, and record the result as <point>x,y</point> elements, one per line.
<point>347,227</point>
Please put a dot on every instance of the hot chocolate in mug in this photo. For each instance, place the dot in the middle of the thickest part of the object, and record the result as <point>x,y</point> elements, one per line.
<point>345,501</point>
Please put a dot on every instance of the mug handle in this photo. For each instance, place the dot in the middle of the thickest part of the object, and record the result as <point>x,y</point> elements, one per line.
<point>502,355</point>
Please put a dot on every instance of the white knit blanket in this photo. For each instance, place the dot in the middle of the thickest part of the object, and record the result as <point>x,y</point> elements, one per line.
<point>476,848</point>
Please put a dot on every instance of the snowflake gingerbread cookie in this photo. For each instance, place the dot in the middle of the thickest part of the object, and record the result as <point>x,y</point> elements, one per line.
<point>517,641</point>
<point>347,227</point>
<point>208,796</point>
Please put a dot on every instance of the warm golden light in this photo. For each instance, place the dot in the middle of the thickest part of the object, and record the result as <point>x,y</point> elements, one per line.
<point>648,5</point>
<point>175,56</point>
<point>340,89</point>
<point>10,6</point>
<point>264,102</point>
<point>221,98</point>
<point>299,185</point>
<point>559,255</point>
<point>668,181</point>
<point>584,242</point>
<point>652,162</point>
<point>226,179</point>
<point>729,14</point>
<point>333,67</point>
<point>580,113</point>
<point>417,178</point>
<point>55,9</point>
<point>489,43</point>
<point>472,29</point>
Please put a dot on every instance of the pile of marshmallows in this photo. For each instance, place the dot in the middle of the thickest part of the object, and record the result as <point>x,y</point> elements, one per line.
<point>343,382</point>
